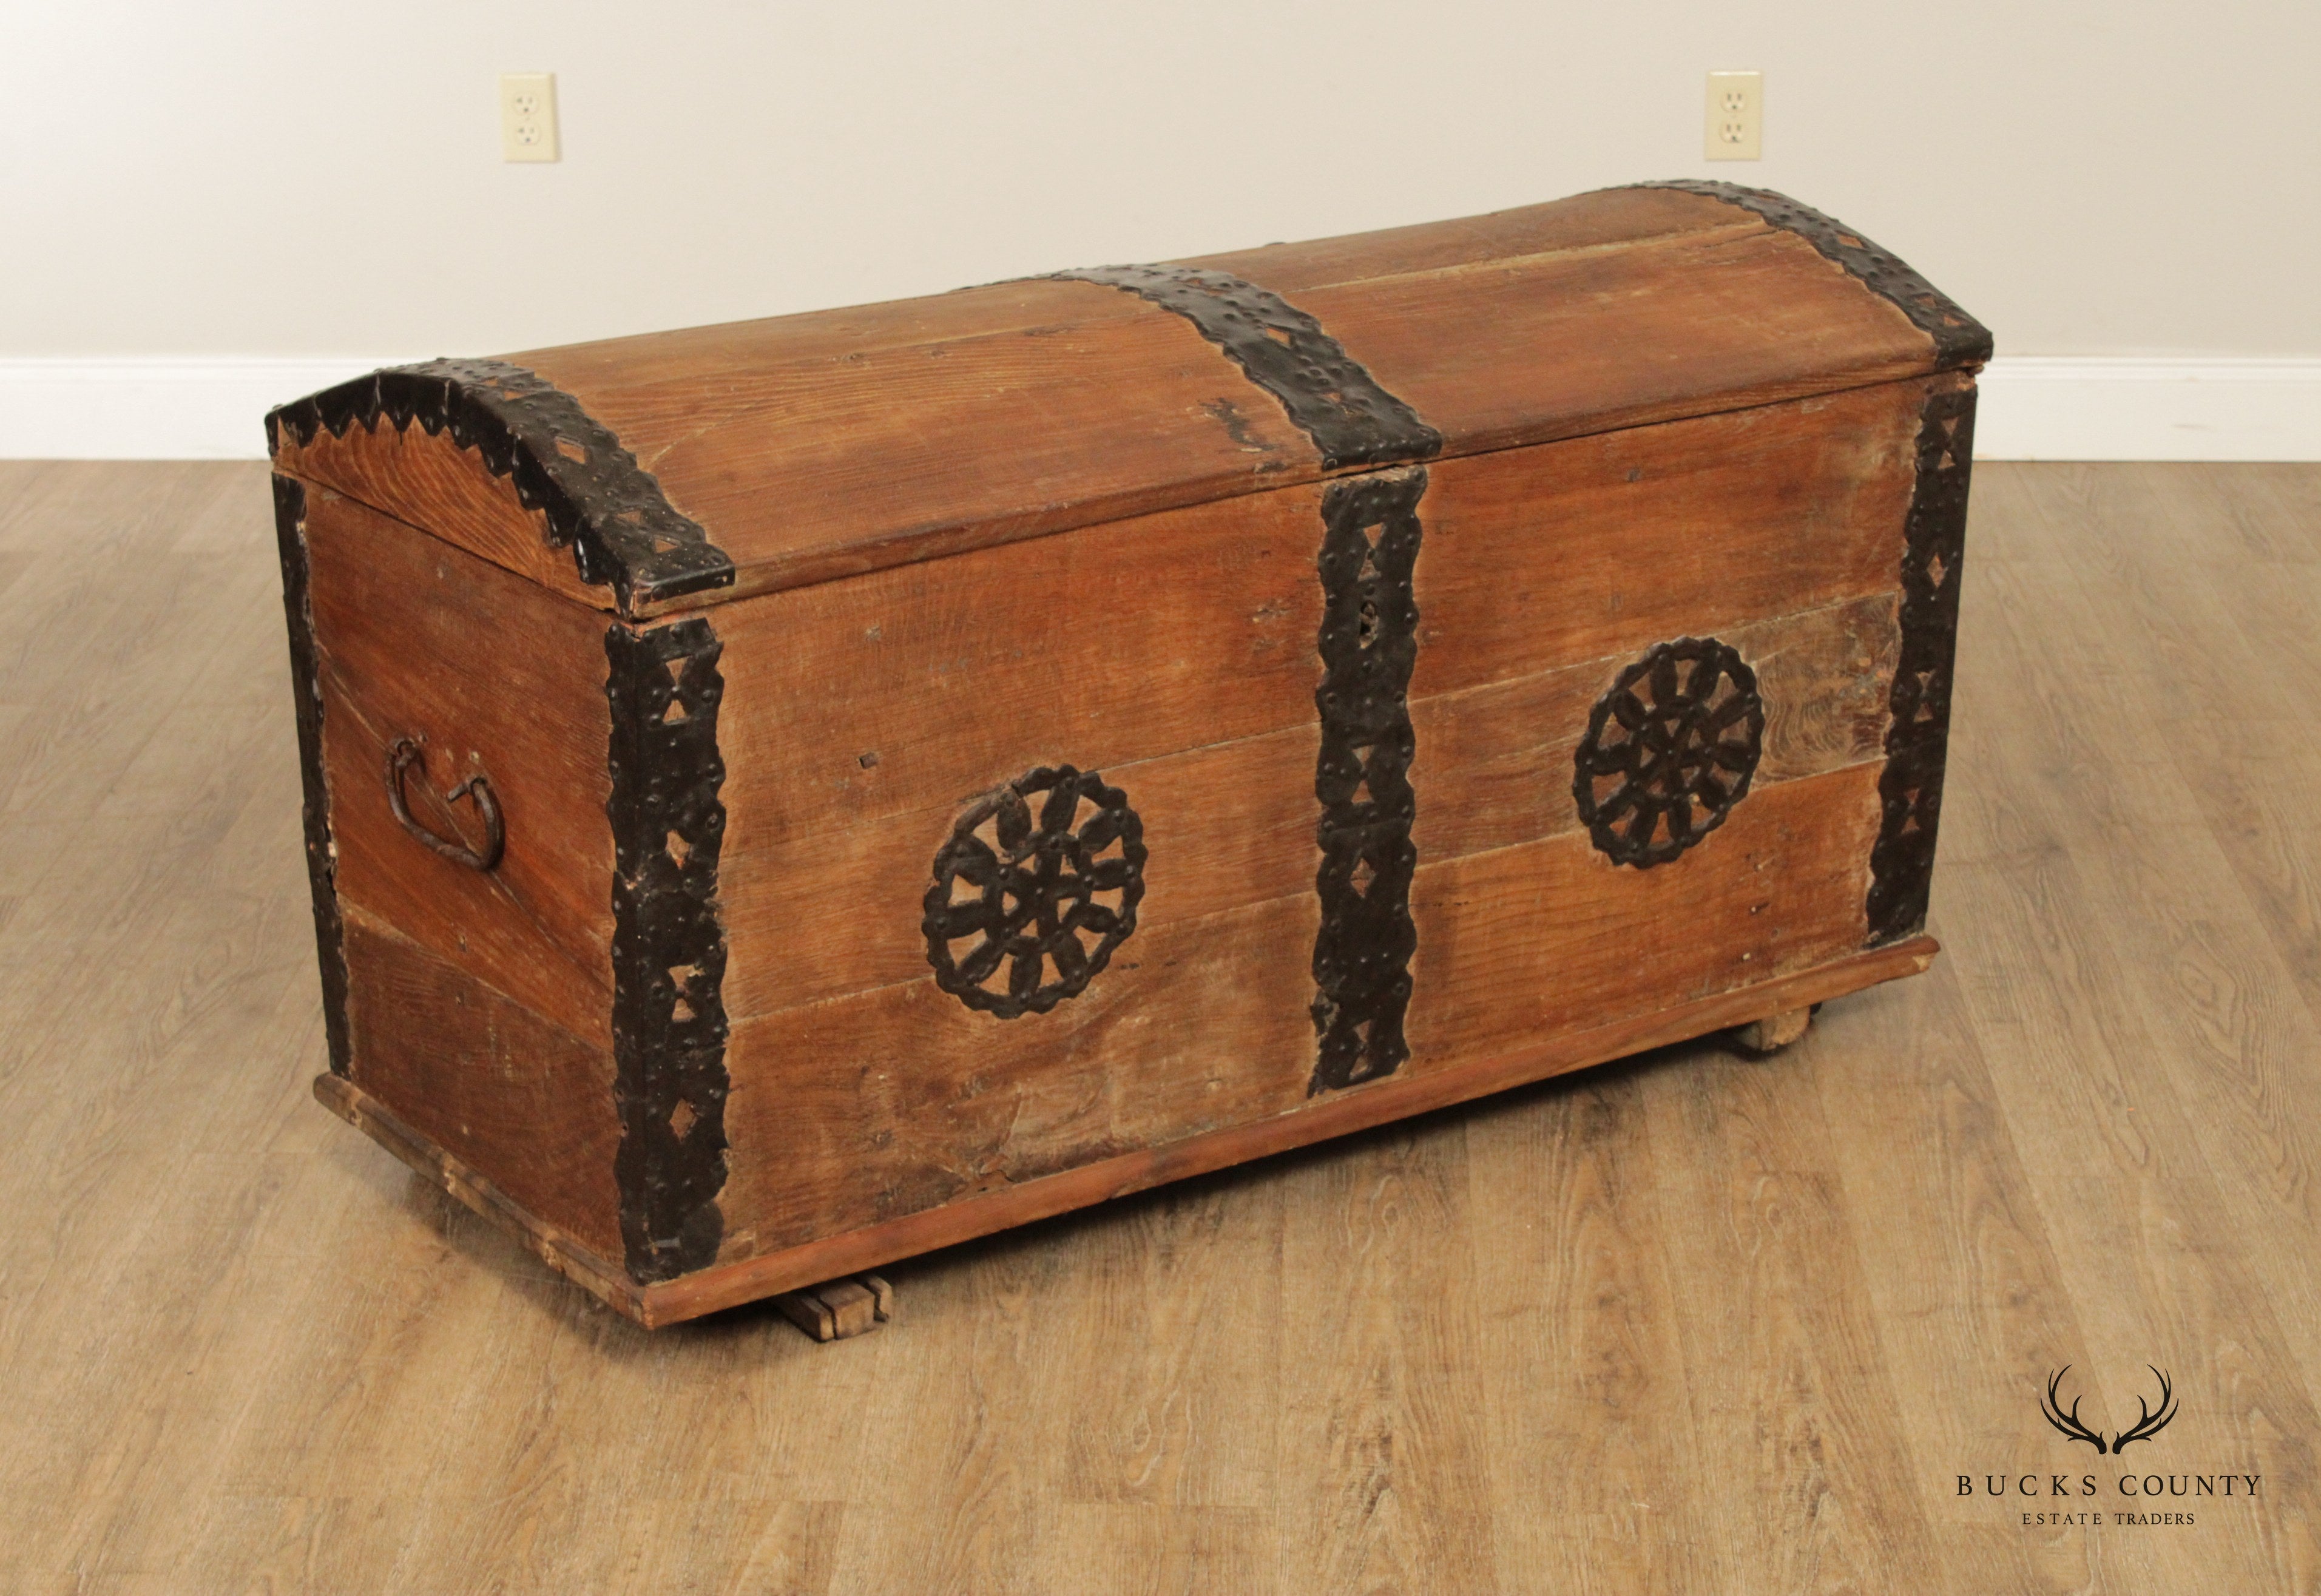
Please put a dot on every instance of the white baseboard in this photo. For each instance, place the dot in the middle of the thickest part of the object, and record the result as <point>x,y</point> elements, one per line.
<point>156,406</point>
<point>2033,406</point>
<point>2106,407</point>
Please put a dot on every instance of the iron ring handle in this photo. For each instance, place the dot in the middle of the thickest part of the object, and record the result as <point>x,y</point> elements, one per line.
<point>404,752</point>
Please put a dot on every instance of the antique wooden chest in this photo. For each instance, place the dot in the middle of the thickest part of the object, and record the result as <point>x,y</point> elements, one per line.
<point>787,795</point>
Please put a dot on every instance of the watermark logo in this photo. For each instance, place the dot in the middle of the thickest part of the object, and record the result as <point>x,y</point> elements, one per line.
<point>2149,1421</point>
<point>2139,1499</point>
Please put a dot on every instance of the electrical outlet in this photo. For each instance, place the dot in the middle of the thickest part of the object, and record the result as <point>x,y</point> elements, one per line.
<point>1736,115</point>
<point>528,116</point>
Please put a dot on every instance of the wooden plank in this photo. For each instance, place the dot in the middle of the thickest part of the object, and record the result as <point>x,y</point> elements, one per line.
<point>2136,1000</point>
<point>417,639</point>
<point>1233,824</point>
<point>1527,941</point>
<point>901,1099</point>
<point>863,715</point>
<point>939,1451</point>
<point>1778,1342</point>
<point>1384,1440</point>
<point>1604,220</point>
<point>1395,1098</point>
<point>426,479</point>
<point>1495,762</point>
<point>487,1081</point>
<point>569,1254</point>
<point>1590,341</point>
<point>840,1310</point>
<point>70,646</point>
<point>818,446</point>
<point>1575,551</point>
<point>1569,1233</point>
<point>653,389</point>
<point>882,455</point>
<point>1152,1547</point>
<point>1185,1285</point>
<point>916,687</point>
<point>1920,1146</point>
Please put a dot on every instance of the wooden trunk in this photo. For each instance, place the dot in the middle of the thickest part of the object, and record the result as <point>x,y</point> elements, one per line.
<point>785,795</point>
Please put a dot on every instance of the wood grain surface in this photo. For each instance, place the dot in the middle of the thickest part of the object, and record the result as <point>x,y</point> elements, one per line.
<point>1594,546</point>
<point>1608,218</point>
<point>487,1080</point>
<point>898,1098</point>
<point>1172,653</point>
<point>1047,1189</point>
<point>425,478</point>
<point>1175,654</point>
<point>841,442</point>
<point>1231,824</point>
<point>1591,340</point>
<point>491,674</point>
<point>1694,1323</point>
<point>856,462</point>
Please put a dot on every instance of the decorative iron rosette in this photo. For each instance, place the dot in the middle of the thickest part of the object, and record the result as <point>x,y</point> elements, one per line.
<point>1668,751</point>
<point>1037,885</point>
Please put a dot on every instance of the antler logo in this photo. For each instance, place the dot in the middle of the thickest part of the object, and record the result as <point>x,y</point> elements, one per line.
<point>2148,1423</point>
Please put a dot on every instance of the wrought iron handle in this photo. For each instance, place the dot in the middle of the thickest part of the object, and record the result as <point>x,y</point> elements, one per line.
<point>405,751</point>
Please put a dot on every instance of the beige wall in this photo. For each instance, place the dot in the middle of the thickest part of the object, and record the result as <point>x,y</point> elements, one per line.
<point>2105,176</point>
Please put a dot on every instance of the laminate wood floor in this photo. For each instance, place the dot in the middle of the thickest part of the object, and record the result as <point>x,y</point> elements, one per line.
<point>1688,1323</point>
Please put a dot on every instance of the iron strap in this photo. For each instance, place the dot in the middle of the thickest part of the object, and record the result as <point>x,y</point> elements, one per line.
<point>621,529</point>
<point>1369,641</point>
<point>1353,421</point>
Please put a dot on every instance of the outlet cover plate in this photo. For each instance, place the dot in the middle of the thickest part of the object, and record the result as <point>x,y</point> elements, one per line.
<point>1736,116</point>
<point>528,116</point>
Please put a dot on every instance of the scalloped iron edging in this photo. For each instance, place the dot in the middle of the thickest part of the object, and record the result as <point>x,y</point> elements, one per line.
<point>621,529</point>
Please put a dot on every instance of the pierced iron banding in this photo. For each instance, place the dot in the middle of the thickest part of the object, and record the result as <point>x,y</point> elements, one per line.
<point>1368,637</point>
<point>1910,787</point>
<point>1368,644</point>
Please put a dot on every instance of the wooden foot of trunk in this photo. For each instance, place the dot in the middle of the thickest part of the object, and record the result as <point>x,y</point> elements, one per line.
<point>833,1311</point>
<point>1773,1032</point>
